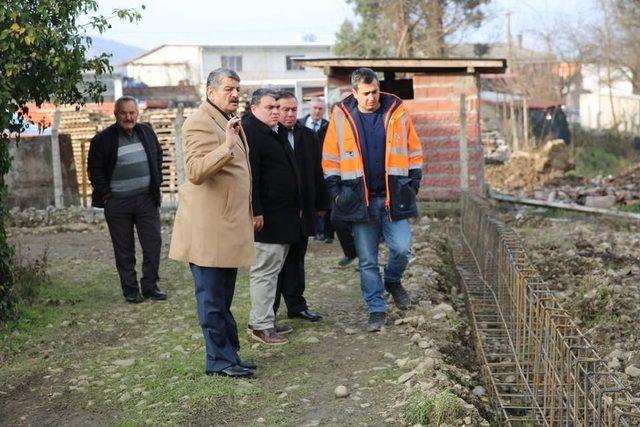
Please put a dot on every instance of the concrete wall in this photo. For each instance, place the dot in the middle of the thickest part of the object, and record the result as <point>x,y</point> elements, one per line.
<point>30,178</point>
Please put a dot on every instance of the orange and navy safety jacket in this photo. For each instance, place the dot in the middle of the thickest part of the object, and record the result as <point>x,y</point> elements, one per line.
<point>343,167</point>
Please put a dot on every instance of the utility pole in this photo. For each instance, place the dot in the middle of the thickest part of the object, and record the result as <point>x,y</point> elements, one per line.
<point>509,39</point>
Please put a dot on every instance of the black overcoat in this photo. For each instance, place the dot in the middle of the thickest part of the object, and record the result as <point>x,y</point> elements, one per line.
<point>275,183</point>
<point>307,154</point>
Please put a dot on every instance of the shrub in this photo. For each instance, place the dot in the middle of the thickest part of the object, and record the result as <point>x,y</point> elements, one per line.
<point>434,408</point>
<point>28,277</point>
<point>602,152</point>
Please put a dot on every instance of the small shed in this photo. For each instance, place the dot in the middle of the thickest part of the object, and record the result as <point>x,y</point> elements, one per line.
<point>443,97</point>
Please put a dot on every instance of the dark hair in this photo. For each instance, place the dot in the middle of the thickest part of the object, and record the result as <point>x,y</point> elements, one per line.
<point>285,94</point>
<point>363,75</point>
<point>214,79</point>
<point>258,94</point>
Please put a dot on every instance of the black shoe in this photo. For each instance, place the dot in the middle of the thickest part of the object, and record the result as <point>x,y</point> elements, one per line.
<point>328,240</point>
<point>155,294</point>
<point>376,320</point>
<point>232,371</point>
<point>306,315</point>
<point>400,295</point>
<point>134,299</point>
<point>344,261</point>
<point>247,364</point>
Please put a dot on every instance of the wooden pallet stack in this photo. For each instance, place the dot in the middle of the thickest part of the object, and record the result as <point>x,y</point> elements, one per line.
<point>84,123</point>
<point>163,123</point>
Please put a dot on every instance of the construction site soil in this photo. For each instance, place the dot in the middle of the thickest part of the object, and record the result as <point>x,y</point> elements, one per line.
<point>593,266</point>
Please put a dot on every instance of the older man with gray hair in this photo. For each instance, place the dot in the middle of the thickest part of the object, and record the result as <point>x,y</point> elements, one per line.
<point>213,229</point>
<point>125,169</point>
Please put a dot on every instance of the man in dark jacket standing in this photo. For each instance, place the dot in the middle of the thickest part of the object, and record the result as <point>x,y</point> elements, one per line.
<point>305,146</point>
<point>314,119</point>
<point>125,169</point>
<point>276,211</point>
<point>318,125</point>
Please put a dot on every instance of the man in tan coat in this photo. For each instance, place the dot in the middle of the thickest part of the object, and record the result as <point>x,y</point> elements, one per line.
<point>213,228</point>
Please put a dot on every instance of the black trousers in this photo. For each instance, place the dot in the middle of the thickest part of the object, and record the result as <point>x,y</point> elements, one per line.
<point>291,280</point>
<point>122,214</point>
<point>329,231</point>
<point>345,237</point>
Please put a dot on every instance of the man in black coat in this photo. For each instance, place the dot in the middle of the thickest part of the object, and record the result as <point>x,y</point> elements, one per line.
<point>318,124</point>
<point>125,169</point>
<point>305,146</point>
<point>314,119</point>
<point>277,206</point>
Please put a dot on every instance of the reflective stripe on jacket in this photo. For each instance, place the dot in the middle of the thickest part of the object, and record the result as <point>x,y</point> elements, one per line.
<point>342,162</point>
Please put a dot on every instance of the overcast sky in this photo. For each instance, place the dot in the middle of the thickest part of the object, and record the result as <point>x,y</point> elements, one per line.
<point>282,21</point>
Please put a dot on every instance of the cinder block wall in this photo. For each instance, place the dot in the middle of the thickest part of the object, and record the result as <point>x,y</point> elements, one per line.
<point>435,111</point>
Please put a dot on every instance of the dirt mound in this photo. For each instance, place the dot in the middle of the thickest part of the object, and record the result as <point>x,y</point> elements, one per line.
<point>530,170</point>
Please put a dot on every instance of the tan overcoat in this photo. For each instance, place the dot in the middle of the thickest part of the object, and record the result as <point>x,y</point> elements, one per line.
<point>213,226</point>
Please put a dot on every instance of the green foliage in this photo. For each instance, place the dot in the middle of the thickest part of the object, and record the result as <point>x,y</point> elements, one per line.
<point>602,153</point>
<point>43,46</point>
<point>28,278</point>
<point>632,207</point>
<point>366,40</point>
<point>435,408</point>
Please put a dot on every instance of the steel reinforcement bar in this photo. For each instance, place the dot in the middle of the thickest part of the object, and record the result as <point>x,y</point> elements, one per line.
<point>540,370</point>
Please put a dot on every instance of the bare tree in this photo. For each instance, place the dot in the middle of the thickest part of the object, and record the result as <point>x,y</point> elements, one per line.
<point>406,28</point>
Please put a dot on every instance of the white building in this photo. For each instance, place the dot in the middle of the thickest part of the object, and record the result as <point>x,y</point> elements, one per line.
<point>607,100</point>
<point>171,65</point>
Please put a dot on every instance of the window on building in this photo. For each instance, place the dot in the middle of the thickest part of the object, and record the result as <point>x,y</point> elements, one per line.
<point>292,65</point>
<point>233,62</point>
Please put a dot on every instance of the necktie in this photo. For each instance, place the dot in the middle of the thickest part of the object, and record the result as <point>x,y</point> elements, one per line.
<point>315,126</point>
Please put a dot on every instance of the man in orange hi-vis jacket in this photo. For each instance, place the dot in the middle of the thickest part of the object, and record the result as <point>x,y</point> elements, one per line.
<point>372,163</point>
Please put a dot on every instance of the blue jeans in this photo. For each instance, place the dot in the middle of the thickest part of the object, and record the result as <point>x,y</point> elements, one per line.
<point>397,236</point>
<point>214,293</point>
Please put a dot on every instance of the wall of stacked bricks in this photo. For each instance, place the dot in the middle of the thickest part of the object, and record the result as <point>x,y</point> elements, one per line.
<point>435,111</point>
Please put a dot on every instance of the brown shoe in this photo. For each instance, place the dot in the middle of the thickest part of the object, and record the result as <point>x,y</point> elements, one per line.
<point>281,329</point>
<point>267,336</point>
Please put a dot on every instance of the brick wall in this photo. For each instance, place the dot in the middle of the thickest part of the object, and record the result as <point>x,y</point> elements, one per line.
<point>435,111</point>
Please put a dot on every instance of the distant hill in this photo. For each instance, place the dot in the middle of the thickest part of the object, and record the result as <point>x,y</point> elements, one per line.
<point>120,51</point>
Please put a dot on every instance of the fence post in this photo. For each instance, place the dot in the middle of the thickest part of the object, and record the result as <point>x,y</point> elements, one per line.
<point>525,122</point>
<point>58,194</point>
<point>464,153</point>
<point>179,154</point>
<point>83,171</point>
<point>514,128</point>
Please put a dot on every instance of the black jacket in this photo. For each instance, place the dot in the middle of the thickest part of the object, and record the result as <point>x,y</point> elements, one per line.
<point>275,183</point>
<point>307,155</point>
<point>103,155</point>
<point>324,123</point>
